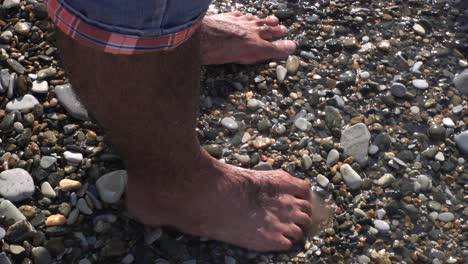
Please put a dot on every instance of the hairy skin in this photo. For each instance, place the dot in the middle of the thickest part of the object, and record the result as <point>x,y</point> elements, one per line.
<point>244,39</point>
<point>149,105</point>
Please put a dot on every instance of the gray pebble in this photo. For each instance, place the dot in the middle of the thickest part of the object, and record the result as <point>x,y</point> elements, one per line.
<point>17,184</point>
<point>41,255</point>
<point>446,217</point>
<point>381,225</point>
<point>112,185</point>
<point>83,206</point>
<point>23,104</point>
<point>355,141</point>
<point>10,211</point>
<point>351,177</point>
<point>281,73</point>
<point>398,89</point>
<point>461,82</point>
<point>70,102</point>
<point>230,124</point>
<point>420,84</point>
<point>333,157</point>
<point>462,141</point>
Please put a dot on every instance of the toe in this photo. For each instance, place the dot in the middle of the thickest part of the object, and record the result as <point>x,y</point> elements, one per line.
<point>303,220</point>
<point>283,243</point>
<point>293,232</point>
<point>235,13</point>
<point>268,32</point>
<point>304,206</point>
<point>280,49</point>
<point>268,21</point>
<point>250,17</point>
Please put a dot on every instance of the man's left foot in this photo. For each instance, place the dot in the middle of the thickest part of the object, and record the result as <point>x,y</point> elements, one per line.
<point>244,39</point>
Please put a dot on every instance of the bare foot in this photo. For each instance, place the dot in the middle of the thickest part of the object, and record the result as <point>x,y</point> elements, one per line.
<point>244,39</point>
<point>263,211</point>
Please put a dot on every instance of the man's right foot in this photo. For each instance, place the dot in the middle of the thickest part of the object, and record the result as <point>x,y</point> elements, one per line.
<point>259,210</point>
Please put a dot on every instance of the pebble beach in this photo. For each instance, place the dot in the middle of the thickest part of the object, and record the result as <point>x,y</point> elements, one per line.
<point>372,109</point>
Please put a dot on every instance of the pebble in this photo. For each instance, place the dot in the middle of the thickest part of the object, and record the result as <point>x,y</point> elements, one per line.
<point>424,182</point>
<point>17,184</point>
<point>446,217</point>
<point>322,181</point>
<point>363,259</point>
<point>41,87</point>
<point>439,156</point>
<point>254,104</point>
<point>47,190</point>
<point>333,157</point>
<point>461,82</point>
<point>281,72</point>
<point>419,29</point>
<point>112,185</point>
<point>41,255</point>
<point>351,177</point>
<point>10,211</point>
<point>381,225</point>
<point>230,124</point>
<point>46,73</point>
<point>302,124</point>
<point>381,213</point>
<point>67,185</point>
<point>23,104</point>
<point>398,89</point>
<point>47,162</point>
<point>16,66</point>
<point>83,206</point>
<point>73,158</point>
<point>420,84</point>
<point>386,180</point>
<point>11,4</point>
<point>70,102</point>
<point>448,122</point>
<point>355,141</point>
<point>292,65</point>
<point>22,28</point>
<point>261,142</point>
<point>462,141</point>
<point>56,220</point>
<point>306,162</point>
<point>73,217</point>
<point>333,118</point>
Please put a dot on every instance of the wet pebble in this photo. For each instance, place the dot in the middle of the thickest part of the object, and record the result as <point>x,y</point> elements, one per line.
<point>351,177</point>
<point>112,185</point>
<point>420,84</point>
<point>23,104</point>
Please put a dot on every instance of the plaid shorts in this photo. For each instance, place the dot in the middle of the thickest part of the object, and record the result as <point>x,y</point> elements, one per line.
<point>128,26</point>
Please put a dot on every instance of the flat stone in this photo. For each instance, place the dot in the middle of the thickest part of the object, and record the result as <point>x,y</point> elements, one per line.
<point>47,162</point>
<point>355,141</point>
<point>281,72</point>
<point>292,65</point>
<point>41,87</point>
<point>16,66</point>
<point>419,29</point>
<point>16,184</point>
<point>41,255</point>
<point>333,157</point>
<point>461,82</point>
<point>23,104</point>
<point>446,217</point>
<point>381,225</point>
<point>112,185</point>
<point>9,210</point>
<point>11,4</point>
<point>420,84</point>
<point>322,181</point>
<point>254,104</point>
<point>83,206</point>
<point>73,158</point>
<point>351,177</point>
<point>386,180</point>
<point>398,89</point>
<point>448,122</point>
<point>462,141</point>
<point>70,102</point>
<point>424,182</point>
<point>46,73</point>
<point>302,124</point>
<point>47,190</point>
<point>333,118</point>
<point>306,162</point>
<point>230,124</point>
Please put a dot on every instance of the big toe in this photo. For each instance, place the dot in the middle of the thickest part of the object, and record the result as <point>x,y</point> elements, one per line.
<point>281,49</point>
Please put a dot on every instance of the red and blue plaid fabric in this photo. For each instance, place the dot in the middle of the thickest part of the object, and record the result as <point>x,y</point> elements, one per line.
<point>111,42</point>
